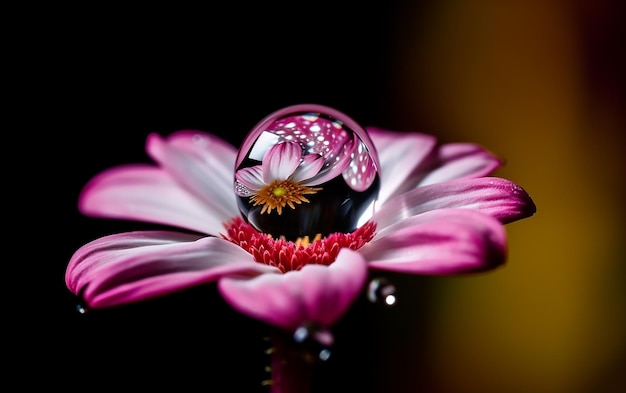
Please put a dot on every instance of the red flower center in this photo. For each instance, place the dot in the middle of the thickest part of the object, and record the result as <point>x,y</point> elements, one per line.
<point>287,255</point>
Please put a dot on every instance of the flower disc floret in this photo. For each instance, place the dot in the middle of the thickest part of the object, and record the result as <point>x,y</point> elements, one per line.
<point>279,194</point>
<point>293,255</point>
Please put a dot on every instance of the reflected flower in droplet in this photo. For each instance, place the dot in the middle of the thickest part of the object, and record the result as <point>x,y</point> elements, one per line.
<point>284,178</point>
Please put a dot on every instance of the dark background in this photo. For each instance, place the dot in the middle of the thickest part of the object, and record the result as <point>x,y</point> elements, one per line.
<point>541,84</point>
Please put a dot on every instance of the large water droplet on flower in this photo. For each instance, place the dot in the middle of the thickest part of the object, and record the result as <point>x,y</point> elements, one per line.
<point>381,291</point>
<point>307,170</point>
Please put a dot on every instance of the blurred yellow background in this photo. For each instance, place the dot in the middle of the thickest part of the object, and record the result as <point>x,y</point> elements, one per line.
<point>537,82</point>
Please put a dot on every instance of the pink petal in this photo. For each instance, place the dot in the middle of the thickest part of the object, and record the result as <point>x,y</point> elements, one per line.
<point>315,294</point>
<point>146,193</point>
<point>338,165</point>
<point>362,170</point>
<point>497,197</point>
<point>251,178</point>
<point>439,242</point>
<point>310,166</point>
<point>460,161</point>
<point>130,267</point>
<point>281,161</point>
<point>202,163</point>
<point>201,144</point>
<point>400,154</point>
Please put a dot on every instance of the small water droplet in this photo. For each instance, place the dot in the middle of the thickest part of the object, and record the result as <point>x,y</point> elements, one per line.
<point>81,309</point>
<point>381,291</point>
<point>315,341</point>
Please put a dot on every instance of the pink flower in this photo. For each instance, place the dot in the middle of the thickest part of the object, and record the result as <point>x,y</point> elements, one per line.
<point>370,200</point>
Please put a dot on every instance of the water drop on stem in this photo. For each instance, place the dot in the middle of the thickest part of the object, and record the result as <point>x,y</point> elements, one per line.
<point>381,291</point>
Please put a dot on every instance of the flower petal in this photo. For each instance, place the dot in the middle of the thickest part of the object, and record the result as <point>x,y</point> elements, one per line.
<point>315,294</point>
<point>200,162</point>
<point>146,193</point>
<point>281,161</point>
<point>310,166</point>
<point>400,154</point>
<point>251,178</point>
<point>338,164</point>
<point>459,161</point>
<point>439,242</point>
<point>129,267</point>
<point>497,197</point>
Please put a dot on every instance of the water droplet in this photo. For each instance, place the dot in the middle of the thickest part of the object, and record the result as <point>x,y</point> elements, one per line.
<point>381,291</point>
<point>324,162</point>
<point>315,341</point>
<point>324,354</point>
<point>81,309</point>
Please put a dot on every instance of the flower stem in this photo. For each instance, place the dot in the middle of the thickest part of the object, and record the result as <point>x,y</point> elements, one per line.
<point>291,365</point>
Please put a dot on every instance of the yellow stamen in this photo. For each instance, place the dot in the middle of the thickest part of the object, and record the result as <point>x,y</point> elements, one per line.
<point>302,241</point>
<point>282,193</point>
<point>279,192</point>
<point>305,241</point>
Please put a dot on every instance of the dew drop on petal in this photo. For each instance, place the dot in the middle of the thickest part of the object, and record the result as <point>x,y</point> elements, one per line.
<point>338,196</point>
<point>81,309</point>
<point>381,291</point>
